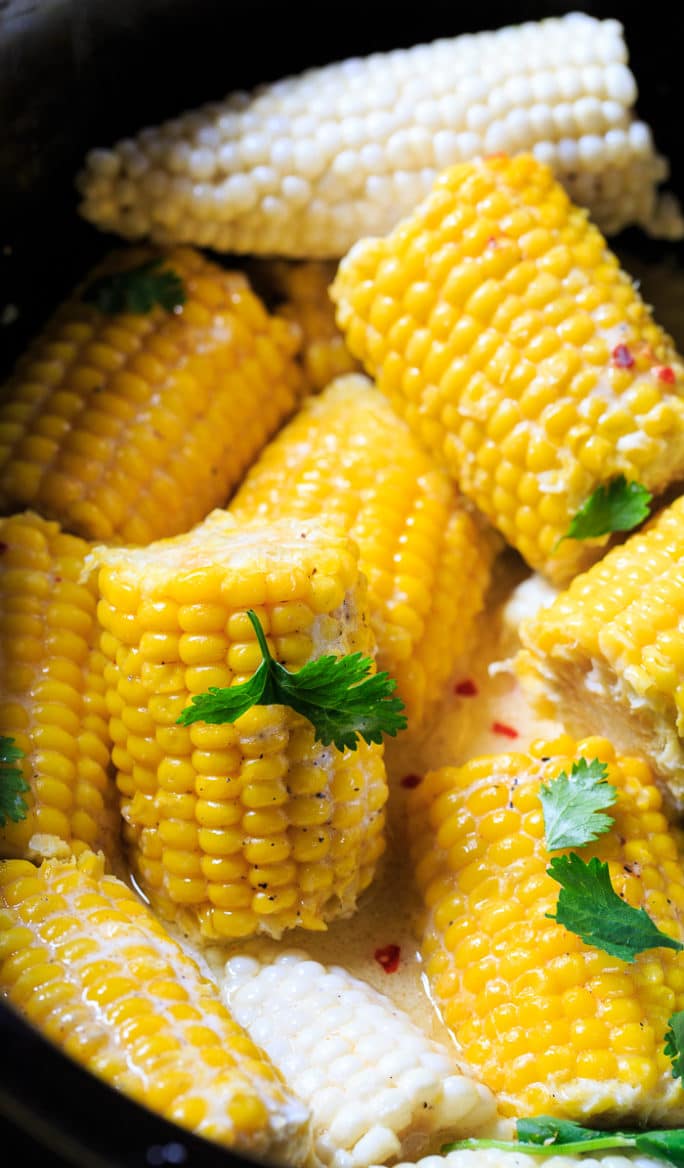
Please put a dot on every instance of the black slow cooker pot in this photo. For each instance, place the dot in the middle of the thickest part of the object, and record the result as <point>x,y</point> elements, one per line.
<point>80,73</point>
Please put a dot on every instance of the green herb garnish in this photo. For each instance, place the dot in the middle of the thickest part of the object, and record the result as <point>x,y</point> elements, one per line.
<point>137,289</point>
<point>12,804</point>
<point>674,1044</point>
<point>589,906</point>
<point>572,806</point>
<point>544,1136</point>
<point>339,696</point>
<point>615,506</point>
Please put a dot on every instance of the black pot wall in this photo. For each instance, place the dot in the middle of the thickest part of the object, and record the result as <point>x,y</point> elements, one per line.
<point>80,73</point>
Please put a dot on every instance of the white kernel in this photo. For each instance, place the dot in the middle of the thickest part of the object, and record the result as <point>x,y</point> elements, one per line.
<point>446,149</point>
<point>591,151</point>
<point>253,149</point>
<point>104,162</point>
<point>202,163</point>
<point>227,159</point>
<point>310,161</point>
<point>178,160</point>
<point>495,140</point>
<point>478,118</point>
<point>640,139</point>
<point>620,84</point>
<point>377,1146</point>
<point>567,153</point>
<point>346,164</point>
<point>296,190</point>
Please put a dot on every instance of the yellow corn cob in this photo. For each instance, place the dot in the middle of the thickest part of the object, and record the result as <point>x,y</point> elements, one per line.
<point>609,652</point>
<point>84,960</point>
<point>376,1085</point>
<point>307,166</point>
<point>52,692</point>
<point>253,826</point>
<point>551,1025</point>
<point>300,293</point>
<point>346,456</point>
<point>503,330</point>
<point>135,426</point>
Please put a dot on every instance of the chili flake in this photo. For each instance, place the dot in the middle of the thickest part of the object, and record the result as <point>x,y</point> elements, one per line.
<point>506,731</point>
<point>622,357</point>
<point>667,374</point>
<point>3,546</point>
<point>388,958</point>
<point>466,688</point>
<point>411,781</point>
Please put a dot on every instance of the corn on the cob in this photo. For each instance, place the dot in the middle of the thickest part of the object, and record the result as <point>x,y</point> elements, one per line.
<point>552,1025</point>
<point>376,1086</point>
<point>253,826</point>
<point>135,426</point>
<point>503,330</point>
<point>52,692</point>
<point>299,292</point>
<point>494,1158</point>
<point>609,652</point>
<point>84,960</point>
<point>307,166</point>
<point>347,457</point>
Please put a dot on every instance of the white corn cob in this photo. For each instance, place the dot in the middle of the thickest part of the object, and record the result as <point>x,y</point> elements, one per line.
<point>495,1158</point>
<point>309,165</point>
<point>376,1086</point>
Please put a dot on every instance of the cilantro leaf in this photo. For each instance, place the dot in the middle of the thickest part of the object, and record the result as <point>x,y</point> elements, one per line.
<point>137,289</point>
<point>572,806</point>
<point>589,906</point>
<point>674,1044</point>
<point>545,1128</point>
<point>544,1136</point>
<point>339,696</point>
<point>615,506</point>
<point>12,804</point>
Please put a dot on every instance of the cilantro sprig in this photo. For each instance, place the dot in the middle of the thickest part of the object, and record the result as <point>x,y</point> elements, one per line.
<point>617,505</point>
<point>589,906</point>
<point>137,290</point>
<point>573,807</point>
<point>13,806</point>
<point>341,698</point>
<point>674,1044</point>
<point>544,1136</point>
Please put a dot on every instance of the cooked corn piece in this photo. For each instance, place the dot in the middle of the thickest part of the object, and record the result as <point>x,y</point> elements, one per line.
<point>87,963</point>
<point>252,826</point>
<point>494,1158</point>
<point>134,426</point>
<point>503,330</point>
<point>608,653</point>
<point>551,1025</point>
<point>308,165</point>
<point>300,292</point>
<point>346,456</point>
<point>376,1086</point>
<point>52,692</point>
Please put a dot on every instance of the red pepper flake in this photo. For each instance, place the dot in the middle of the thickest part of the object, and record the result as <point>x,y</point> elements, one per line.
<point>502,728</point>
<point>622,357</point>
<point>58,579</point>
<point>411,781</point>
<point>388,958</point>
<point>466,688</point>
<point>3,546</point>
<point>667,374</point>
